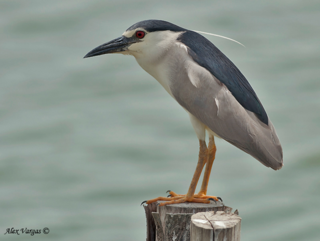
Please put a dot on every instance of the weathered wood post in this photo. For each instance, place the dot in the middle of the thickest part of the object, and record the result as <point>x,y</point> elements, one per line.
<point>215,226</point>
<point>176,222</point>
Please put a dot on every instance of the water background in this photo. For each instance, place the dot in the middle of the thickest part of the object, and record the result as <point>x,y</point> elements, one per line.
<point>84,141</point>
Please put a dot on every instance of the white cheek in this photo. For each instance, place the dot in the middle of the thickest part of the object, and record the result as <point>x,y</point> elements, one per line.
<point>135,48</point>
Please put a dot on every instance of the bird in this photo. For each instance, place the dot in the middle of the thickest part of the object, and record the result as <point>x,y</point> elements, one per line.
<point>209,87</point>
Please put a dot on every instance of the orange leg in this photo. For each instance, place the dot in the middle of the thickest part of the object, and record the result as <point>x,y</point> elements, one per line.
<point>203,191</point>
<point>211,156</point>
<point>189,197</point>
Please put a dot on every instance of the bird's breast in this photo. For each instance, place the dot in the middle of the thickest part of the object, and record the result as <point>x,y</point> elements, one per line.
<point>160,71</point>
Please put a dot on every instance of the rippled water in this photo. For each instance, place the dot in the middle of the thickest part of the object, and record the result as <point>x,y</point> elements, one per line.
<point>83,142</point>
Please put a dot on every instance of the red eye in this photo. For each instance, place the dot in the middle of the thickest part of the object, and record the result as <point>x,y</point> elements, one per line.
<point>140,34</point>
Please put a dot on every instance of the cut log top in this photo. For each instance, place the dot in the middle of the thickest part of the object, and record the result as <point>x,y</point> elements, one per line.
<point>191,207</point>
<point>218,220</point>
<point>217,226</point>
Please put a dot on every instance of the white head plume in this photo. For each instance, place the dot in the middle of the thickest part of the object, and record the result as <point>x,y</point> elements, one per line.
<point>220,37</point>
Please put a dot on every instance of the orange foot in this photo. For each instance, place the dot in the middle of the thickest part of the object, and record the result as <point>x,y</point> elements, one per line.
<point>199,195</point>
<point>177,198</point>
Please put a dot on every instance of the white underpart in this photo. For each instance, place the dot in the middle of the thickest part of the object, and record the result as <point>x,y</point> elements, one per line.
<point>198,127</point>
<point>220,36</point>
<point>211,133</point>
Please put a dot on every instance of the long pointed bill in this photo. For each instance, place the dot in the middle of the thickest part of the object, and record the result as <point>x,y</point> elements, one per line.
<point>117,45</point>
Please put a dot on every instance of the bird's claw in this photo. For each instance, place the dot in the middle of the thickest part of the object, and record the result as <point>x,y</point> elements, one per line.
<point>169,195</point>
<point>220,199</point>
<point>168,191</point>
<point>211,199</point>
<point>143,202</point>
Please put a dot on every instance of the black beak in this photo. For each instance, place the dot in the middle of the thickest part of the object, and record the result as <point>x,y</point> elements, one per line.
<point>117,45</point>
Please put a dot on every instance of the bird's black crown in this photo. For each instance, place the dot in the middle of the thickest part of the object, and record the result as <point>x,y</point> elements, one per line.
<point>156,25</point>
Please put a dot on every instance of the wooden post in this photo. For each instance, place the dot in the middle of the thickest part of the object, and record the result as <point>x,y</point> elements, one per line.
<point>172,222</point>
<point>215,226</point>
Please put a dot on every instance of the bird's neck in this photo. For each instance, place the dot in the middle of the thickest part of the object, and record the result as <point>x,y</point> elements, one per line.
<point>158,71</point>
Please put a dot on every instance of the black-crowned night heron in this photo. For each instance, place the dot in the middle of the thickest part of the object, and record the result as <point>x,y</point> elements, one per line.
<point>212,90</point>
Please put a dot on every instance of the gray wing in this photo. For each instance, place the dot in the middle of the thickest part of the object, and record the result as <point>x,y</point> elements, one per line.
<point>207,55</point>
<point>209,100</point>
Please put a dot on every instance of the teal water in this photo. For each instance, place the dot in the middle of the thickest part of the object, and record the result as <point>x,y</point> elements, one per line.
<point>84,141</point>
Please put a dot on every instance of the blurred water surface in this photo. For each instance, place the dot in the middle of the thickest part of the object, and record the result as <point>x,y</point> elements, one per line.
<point>84,141</point>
